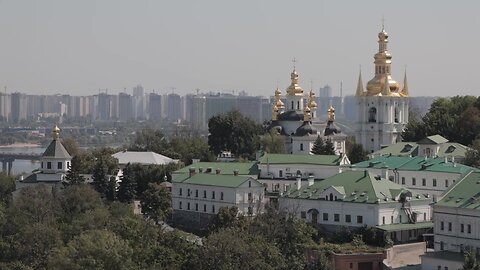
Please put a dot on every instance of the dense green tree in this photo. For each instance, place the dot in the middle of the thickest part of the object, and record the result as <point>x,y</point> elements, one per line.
<point>189,148</point>
<point>323,148</point>
<point>71,145</point>
<point>291,235</point>
<point>7,186</point>
<point>318,146</point>
<point>233,132</point>
<point>96,249</point>
<point>127,189</point>
<point>355,151</point>
<point>272,142</point>
<point>226,217</point>
<point>234,249</point>
<point>156,202</point>
<point>456,118</point>
<point>150,140</point>
<point>73,176</point>
<point>472,157</point>
<point>329,148</point>
<point>100,177</point>
<point>471,262</point>
<point>78,199</point>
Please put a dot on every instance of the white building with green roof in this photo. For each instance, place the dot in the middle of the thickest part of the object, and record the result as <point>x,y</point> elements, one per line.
<point>420,174</point>
<point>431,146</point>
<point>197,196</point>
<point>278,172</point>
<point>456,225</point>
<point>359,198</point>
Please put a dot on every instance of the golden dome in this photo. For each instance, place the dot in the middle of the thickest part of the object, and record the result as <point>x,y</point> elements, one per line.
<point>294,89</point>
<point>307,116</point>
<point>311,100</point>
<point>376,85</point>
<point>278,92</point>
<point>331,113</point>
<point>55,132</point>
<point>278,103</point>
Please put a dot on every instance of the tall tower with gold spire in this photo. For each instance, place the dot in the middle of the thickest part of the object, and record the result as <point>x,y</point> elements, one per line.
<point>382,106</point>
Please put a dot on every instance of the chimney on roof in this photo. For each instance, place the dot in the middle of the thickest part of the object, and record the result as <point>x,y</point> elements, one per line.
<point>311,180</point>
<point>299,182</point>
<point>385,172</point>
<point>217,171</point>
<point>191,171</point>
<point>235,172</point>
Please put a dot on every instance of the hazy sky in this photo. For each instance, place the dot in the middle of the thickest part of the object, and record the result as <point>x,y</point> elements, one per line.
<point>79,46</point>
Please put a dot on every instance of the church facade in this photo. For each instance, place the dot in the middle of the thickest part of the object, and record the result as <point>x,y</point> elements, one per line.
<point>382,106</point>
<point>296,120</point>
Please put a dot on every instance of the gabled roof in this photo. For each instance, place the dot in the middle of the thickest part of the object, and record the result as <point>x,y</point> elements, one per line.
<point>414,164</point>
<point>434,139</point>
<point>327,160</point>
<point>56,150</point>
<point>464,194</point>
<point>358,186</point>
<point>145,158</point>
<point>218,180</point>
<point>411,148</point>
<point>226,168</point>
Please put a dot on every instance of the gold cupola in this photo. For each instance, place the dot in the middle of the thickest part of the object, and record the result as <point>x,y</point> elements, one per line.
<point>311,100</point>
<point>55,132</point>
<point>294,89</point>
<point>383,61</point>
<point>331,114</point>
<point>274,113</point>
<point>278,102</point>
<point>307,114</point>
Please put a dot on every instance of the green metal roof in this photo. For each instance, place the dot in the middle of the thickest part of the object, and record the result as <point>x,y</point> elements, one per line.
<point>405,226</point>
<point>329,160</point>
<point>411,149</point>
<point>205,179</point>
<point>414,164</point>
<point>226,168</point>
<point>464,194</point>
<point>434,139</point>
<point>358,187</point>
<point>446,255</point>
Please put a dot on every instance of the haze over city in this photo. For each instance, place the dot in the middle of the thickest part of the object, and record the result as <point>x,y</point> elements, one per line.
<point>77,47</point>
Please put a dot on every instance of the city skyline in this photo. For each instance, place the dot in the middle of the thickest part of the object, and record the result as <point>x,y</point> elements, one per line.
<point>80,47</point>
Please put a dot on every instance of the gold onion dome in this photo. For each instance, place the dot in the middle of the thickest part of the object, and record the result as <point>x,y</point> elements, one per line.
<point>311,100</point>
<point>278,102</point>
<point>294,89</point>
<point>383,61</point>
<point>55,132</point>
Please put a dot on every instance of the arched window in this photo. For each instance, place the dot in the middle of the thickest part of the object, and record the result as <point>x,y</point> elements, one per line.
<point>292,106</point>
<point>298,105</point>
<point>372,115</point>
<point>331,197</point>
<point>396,115</point>
<point>299,173</point>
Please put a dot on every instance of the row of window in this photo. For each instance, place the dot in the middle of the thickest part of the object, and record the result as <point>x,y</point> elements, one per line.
<point>59,165</point>
<point>424,182</point>
<point>336,217</point>
<point>189,192</point>
<point>462,227</point>
<point>180,206</point>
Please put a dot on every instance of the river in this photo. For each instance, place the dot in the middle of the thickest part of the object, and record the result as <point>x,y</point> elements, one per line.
<point>24,166</point>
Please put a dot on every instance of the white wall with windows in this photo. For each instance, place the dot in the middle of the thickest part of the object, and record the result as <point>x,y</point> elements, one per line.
<point>248,198</point>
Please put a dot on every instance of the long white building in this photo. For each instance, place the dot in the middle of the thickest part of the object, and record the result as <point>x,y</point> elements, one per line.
<point>359,198</point>
<point>456,225</point>
<point>196,196</point>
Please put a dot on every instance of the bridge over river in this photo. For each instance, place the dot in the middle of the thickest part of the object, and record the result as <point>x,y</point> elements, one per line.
<point>8,158</point>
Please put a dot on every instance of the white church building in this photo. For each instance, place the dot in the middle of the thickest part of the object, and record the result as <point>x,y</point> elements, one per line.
<point>296,120</point>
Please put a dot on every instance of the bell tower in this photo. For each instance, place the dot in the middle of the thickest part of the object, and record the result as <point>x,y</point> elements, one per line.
<point>382,106</point>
